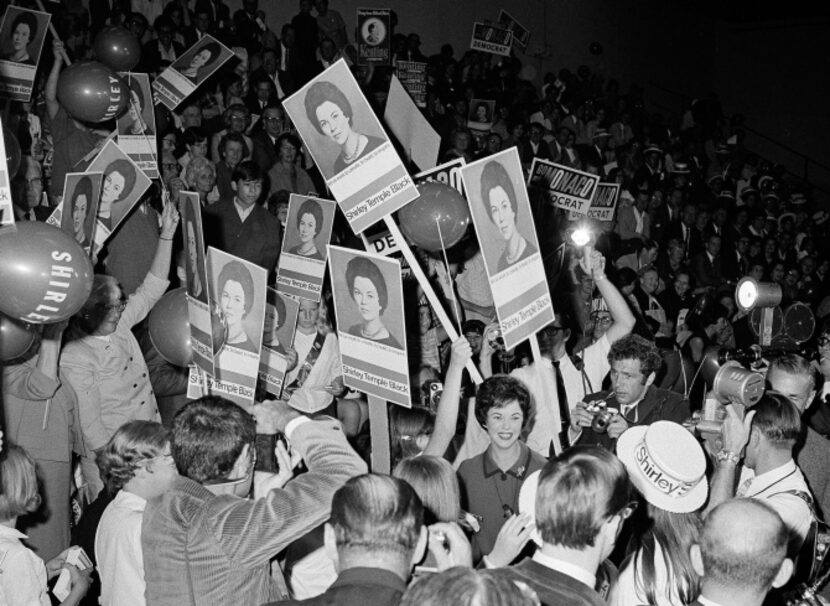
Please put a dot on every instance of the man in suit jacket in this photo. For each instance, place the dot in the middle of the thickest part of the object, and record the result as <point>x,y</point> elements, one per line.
<point>684,230</point>
<point>159,53</point>
<point>202,541</point>
<point>741,555</point>
<point>375,536</point>
<point>261,95</point>
<point>242,227</point>
<point>284,84</point>
<point>735,262</point>
<point>634,365</point>
<point>577,523</point>
<point>265,138</point>
<point>706,265</point>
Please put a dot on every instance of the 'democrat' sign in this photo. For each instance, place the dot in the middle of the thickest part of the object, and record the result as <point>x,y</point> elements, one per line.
<point>604,202</point>
<point>491,39</point>
<point>564,187</point>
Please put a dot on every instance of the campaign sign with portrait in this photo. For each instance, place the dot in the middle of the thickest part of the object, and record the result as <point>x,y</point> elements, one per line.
<point>521,34</point>
<point>348,144</point>
<point>197,64</point>
<point>195,269</point>
<point>277,336</point>
<point>21,40</point>
<point>415,134</point>
<point>604,202</point>
<point>413,76</point>
<point>238,288</point>
<point>124,184</point>
<point>137,127</point>
<point>507,236</point>
<point>6,205</point>
<point>564,187</point>
<point>374,36</point>
<point>303,258</point>
<point>81,194</point>
<point>368,302</point>
<point>491,39</point>
<point>480,116</point>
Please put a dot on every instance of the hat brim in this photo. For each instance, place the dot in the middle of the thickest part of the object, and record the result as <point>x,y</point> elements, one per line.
<point>689,502</point>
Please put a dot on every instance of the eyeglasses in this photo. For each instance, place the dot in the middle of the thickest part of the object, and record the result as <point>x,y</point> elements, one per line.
<point>120,306</point>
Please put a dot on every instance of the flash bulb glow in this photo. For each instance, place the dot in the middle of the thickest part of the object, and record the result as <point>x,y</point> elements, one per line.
<point>581,236</point>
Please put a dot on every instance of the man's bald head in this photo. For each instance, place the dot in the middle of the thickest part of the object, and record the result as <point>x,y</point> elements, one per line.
<point>743,544</point>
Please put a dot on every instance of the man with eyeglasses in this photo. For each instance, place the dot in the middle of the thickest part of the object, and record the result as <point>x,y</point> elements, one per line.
<point>237,120</point>
<point>265,139</point>
<point>582,497</point>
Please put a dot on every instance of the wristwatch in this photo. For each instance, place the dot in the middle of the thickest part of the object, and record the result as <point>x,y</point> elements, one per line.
<point>727,455</point>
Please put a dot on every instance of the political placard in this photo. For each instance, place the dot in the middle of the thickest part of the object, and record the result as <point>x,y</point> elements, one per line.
<point>368,302</point>
<point>21,40</point>
<point>415,134</point>
<point>562,186</point>
<point>137,127</point>
<point>303,258</point>
<point>198,291</point>
<point>79,206</point>
<point>124,184</point>
<point>604,202</point>
<point>280,322</point>
<point>238,287</point>
<point>507,237</point>
<point>6,204</point>
<point>374,39</point>
<point>481,114</point>
<point>197,64</point>
<point>351,149</point>
<point>521,34</point>
<point>413,77</point>
<point>491,39</point>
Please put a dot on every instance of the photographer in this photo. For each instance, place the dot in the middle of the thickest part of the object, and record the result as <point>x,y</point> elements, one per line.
<point>794,377</point>
<point>633,399</point>
<point>762,444</point>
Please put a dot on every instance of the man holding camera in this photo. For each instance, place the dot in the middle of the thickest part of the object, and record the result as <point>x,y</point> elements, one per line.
<point>793,376</point>
<point>633,399</point>
<point>762,444</point>
<point>555,380</point>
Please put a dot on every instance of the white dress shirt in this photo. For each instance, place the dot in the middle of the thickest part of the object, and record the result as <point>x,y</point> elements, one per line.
<point>118,551</point>
<point>769,486</point>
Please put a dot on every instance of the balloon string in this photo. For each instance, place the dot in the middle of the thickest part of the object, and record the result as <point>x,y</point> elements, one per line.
<point>449,277</point>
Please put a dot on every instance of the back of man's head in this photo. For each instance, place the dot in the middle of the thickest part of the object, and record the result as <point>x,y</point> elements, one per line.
<point>742,546</point>
<point>376,518</point>
<point>778,420</point>
<point>208,437</point>
<point>578,491</point>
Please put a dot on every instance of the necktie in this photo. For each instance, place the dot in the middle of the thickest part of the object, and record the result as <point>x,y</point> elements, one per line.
<point>31,215</point>
<point>564,408</point>
<point>743,488</point>
<point>627,410</point>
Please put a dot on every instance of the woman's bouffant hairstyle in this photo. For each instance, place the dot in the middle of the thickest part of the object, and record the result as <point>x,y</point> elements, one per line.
<point>319,93</point>
<point>361,267</point>
<point>236,272</point>
<point>130,446</point>
<point>311,207</point>
<point>495,175</point>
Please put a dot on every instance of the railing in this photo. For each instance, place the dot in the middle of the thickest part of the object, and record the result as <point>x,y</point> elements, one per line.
<point>800,166</point>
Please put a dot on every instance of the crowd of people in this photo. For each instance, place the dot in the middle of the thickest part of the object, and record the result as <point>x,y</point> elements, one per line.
<point>573,476</point>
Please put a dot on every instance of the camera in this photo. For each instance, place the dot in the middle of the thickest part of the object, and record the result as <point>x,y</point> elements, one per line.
<point>602,415</point>
<point>436,389</point>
